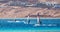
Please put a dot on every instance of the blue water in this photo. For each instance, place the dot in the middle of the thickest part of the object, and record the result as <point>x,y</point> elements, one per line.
<point>19,26</point>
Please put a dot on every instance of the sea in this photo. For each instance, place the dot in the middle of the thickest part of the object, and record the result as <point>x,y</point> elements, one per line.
<point>18,25</point>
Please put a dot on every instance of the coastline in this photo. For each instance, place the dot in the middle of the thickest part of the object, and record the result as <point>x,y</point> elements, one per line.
<point>33,18</point>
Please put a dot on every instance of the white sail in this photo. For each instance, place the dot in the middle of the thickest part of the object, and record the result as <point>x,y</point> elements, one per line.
<point>38,22</point>
<point>27,19</point>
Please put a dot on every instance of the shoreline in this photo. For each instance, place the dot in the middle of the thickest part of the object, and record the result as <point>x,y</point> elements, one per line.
<point>33,18</point>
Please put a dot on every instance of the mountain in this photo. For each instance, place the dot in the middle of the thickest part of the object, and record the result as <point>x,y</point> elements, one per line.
<point>18,11</point>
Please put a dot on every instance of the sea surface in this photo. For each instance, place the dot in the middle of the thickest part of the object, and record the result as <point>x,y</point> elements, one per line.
<point>13,26</point>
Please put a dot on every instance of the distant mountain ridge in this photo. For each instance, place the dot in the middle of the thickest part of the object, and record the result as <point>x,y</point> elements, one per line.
<point>34,0</point>
<point>20,0</point>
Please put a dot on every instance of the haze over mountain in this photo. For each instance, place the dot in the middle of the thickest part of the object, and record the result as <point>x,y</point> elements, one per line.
<point>34,0</point>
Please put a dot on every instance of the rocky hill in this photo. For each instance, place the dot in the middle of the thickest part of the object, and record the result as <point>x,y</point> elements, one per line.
<point>18,11</point>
